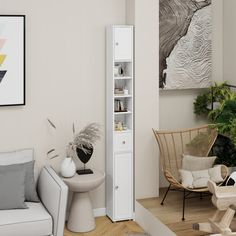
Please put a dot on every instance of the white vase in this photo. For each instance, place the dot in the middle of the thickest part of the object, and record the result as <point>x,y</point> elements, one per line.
<point>68,168</point>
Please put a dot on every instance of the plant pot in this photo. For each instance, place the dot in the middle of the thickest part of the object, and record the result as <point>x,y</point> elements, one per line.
<point>225,151</point>
<point>68,168</point>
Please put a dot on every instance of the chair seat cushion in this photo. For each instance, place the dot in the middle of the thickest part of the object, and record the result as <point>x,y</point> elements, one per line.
<point>199,179</point>
<point>34,221</point>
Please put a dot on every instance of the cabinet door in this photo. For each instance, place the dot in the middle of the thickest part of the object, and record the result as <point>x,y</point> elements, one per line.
<point>123,43</point>
<point>123,186</point>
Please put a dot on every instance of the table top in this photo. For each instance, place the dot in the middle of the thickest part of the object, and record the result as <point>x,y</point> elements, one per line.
<point>85,183</point>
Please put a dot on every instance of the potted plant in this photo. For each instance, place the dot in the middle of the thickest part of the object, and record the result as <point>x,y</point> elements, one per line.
<point>81,146</point>
<point>83,143</point>
<point>218,104</point>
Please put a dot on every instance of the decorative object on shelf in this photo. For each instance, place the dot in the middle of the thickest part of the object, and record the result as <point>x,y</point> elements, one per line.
<point>126,91</point>
<point>119,91</point>
<point>118,70</point>
<point>12,60</point>
<point>119,106</point>
<point>119,126</point>
<point>218,105</point>
<point>185,55</point>
<point>83,144</point>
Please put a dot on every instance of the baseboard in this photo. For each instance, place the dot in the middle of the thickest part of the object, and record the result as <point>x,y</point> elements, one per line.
<point>99,212</point>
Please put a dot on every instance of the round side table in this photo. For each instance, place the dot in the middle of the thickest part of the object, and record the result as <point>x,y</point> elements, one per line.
<point>81,218</point>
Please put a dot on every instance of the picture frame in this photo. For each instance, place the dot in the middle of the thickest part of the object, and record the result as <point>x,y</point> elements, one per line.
<point>12,60</point>
<point>185,44</point>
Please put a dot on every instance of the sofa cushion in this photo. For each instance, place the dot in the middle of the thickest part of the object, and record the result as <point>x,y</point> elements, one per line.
<point>16,157</point>
<point>34,221</point>
<point>12,190</point>
<point>28,167</point>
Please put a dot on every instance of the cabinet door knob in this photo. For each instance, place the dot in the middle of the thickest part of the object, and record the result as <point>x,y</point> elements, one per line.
<point>123,142</point>
<point>117,44</point>
<point>116,187</point>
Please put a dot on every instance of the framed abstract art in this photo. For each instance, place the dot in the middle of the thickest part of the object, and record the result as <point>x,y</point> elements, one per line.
<point>12,60</point>
<point>185,45</point>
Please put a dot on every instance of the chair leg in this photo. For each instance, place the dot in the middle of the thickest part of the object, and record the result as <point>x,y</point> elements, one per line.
<point>183,219</point>
<point>200,195</point>
<point>162,202</point>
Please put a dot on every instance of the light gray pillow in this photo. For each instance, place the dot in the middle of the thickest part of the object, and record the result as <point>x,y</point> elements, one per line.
<point>12,190</point>
<point>28,167</point>
<point>193,163</point>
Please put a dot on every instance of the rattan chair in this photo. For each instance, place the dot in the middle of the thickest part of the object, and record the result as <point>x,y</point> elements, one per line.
<point>173,144</point>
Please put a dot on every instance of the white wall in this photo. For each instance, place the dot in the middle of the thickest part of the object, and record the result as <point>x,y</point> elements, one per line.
<point>65,76</point>
<point>229,41</point>
<point>146,96</point>
<point>176,107</point>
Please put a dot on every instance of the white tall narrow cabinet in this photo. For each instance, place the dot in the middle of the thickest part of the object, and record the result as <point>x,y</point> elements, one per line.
<point>119,122</point>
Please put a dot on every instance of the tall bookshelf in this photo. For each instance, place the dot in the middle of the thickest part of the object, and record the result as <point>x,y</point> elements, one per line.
<point>119,122</point>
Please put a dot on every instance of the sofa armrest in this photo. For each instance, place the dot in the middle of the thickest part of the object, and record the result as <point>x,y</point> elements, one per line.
<point>53,193</point>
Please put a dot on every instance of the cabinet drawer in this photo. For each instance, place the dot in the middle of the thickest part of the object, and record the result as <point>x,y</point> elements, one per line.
<point>123,142</point>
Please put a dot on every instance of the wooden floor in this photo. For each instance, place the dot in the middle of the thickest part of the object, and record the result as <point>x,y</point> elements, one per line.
<point>170,213</point>
<point>104,227</point>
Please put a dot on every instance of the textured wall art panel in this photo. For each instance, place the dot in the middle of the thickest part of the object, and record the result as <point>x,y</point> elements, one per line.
<point>185,54</point>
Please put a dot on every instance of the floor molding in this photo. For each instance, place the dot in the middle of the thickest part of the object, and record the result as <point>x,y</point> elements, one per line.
<point>150,223</point>
<point>99,212</point>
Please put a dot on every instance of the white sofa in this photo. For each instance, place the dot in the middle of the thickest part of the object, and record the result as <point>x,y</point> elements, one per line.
<point>40,219</point>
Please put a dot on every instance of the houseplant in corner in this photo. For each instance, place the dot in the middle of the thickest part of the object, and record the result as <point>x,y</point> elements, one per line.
<point>218,105</point>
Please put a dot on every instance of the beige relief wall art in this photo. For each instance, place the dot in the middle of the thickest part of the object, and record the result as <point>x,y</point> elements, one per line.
<point>185,54</point>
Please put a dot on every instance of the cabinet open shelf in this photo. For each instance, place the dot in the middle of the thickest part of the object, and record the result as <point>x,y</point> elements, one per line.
<point>123,60</point>
<point>122,77</point>
<point>123,131</point>
<point>122,112</point>
<point>122,96</point>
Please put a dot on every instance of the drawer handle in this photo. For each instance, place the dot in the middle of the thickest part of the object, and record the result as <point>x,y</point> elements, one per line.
<point>123,142</point>
<point>116,187</point>
<point>117,44</point>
